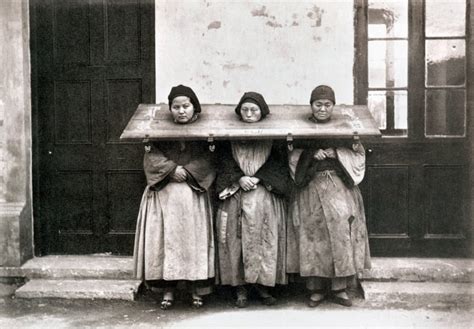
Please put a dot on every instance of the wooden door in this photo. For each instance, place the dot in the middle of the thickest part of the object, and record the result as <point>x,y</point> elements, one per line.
<point>414,69</point>
<point>93,63</point>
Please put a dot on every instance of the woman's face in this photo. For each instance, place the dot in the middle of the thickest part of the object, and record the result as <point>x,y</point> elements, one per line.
<point>322,109</point>
<point>182,109</point>
<point>250,112</point>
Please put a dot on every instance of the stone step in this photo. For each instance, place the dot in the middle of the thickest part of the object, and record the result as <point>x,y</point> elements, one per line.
<point>120,267</point>
<point>79,289</point>
<point>420,269</point>
<point>418,294</point>
<point>77,266</point>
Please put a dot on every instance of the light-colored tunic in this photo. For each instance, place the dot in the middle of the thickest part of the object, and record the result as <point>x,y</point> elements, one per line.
<point>327,234</point>
<point>251,226</point>
<point>174,238</point>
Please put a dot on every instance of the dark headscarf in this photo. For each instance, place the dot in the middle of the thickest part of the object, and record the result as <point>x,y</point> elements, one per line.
<point>184,91</point>
<point>322,92</point>
<point>257,99</point>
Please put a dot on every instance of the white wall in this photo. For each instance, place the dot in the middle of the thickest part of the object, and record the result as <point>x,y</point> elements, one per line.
<point>16,219</point>
<point>283,49</point>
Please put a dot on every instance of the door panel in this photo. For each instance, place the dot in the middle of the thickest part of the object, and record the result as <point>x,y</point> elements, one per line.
<point>72,112</point>
<point>74,206</point>
<point>445,200</point>
<point>71,32</point>
<point>392,204</point>
<point>123,31</point>
<point>122,96</point>
<point>94,65</point>
<point>417,199</point>
<point>122,187</point>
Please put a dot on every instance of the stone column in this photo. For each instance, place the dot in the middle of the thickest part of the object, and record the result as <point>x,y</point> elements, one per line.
<point>16,216</point>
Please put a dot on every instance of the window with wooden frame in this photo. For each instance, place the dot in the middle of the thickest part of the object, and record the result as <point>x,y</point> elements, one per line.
<point>393,39</point>
<point>445,68</point>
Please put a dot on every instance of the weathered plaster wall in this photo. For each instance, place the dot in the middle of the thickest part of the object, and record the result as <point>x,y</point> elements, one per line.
<point>282,49</point>
<point>15,134</point>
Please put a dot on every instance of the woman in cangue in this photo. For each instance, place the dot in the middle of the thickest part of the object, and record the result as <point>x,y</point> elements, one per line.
<point>327,234</point>
<point>174,238</point>
<point>251,229</point>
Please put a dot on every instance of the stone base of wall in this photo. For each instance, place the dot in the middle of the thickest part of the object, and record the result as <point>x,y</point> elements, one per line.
<point>8,286</point>
<point>15,234</point>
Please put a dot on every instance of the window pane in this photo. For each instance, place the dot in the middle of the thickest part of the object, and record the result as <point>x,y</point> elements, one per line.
<point>445,62</point>
<point>401,109</point>
<point>382,103</point>
<point>377,103</point>
<point>445,18</point>
<point>388,63</point>
<point>388,19</point>
<point>445,112</point>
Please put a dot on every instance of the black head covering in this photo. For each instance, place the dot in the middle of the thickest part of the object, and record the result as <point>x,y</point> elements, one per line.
<point>322,92</point>
<point>184,91</point>
<point>257,99</point>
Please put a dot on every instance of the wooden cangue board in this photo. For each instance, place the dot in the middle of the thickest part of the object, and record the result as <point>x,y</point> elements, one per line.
<point>220,122</point>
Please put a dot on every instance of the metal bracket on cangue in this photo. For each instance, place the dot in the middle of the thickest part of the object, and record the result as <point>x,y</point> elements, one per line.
<point>289,142</point>
<point>356,137</point>
<point>146,141</point>
<point>210,141</point>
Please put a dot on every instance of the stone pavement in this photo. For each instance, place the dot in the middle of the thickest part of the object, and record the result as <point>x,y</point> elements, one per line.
<point>219,312</point>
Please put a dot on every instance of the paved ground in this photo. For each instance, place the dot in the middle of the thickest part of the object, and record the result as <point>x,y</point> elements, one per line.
<point>219,312</point>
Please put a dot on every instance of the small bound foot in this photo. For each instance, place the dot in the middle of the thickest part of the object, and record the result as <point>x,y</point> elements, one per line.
<point>267,298</point>
<point>241,300</point>
<point>341,298</point>
<point>197,301</point>
<point>167,301</point>
<point>316,298</point>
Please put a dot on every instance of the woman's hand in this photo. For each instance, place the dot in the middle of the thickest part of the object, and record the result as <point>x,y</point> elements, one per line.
<point>255,181</point>
<point>247,183</point>
<point>330,153</point>
<point>320,155</point>
<point>179,175</point>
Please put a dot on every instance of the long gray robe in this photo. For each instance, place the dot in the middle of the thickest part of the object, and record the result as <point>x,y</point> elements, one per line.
<point>327,234</point>
<point>251,226</point>
<point>174,237</point>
